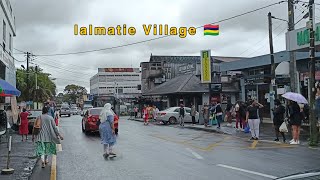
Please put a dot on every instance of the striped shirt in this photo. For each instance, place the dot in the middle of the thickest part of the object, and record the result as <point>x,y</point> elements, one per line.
<point>49,131</point>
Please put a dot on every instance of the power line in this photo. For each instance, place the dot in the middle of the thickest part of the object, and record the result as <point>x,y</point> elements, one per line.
<point>261,40</point>
<point>139,42</point>
<point>273,38</point>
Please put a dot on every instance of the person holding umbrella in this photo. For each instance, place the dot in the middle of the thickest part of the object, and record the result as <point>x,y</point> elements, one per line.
<point>295,114</point>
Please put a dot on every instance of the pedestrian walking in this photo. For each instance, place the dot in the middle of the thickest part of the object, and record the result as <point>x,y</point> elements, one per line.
<point>56,119</point>
<point>206,114</point>
<point>145,115</point>
<point>107,130</point>
<point>181,115</point>
<point>51,110</point>
<point>193,114</point>
<point>228,114</point>
<point>243,115</point>
<point>135,112</point>
<point>253,118</point>
<point>217,111</point>
<point>278,119</point>
<point>295,117</point>
<point>155,113</point>
<point>47,137</point>
<point>238,116</point>
<point>23,124</point>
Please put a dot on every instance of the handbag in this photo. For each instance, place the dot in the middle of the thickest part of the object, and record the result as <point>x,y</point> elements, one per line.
<point>37,126</point>
<point>247,129</point>
<point>283,127</point>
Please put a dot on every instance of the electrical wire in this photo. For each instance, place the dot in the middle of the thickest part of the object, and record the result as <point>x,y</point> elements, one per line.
<point>261,40</point>
<point>148,40</point>
<point>273,37</point>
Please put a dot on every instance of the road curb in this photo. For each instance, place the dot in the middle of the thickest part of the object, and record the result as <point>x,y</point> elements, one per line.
<point>207,130</point>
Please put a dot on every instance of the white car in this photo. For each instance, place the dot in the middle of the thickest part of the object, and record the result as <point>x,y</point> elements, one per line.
<point>171,115</point>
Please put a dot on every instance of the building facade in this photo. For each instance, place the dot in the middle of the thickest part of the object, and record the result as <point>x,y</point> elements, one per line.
<point>7,32</point>
<point>125,83</point>
<point>176,79</point>
<point>161,69</point>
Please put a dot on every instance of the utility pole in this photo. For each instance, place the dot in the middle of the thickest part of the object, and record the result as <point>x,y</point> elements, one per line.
<point>313,120</point>
<point>28,82</point>
<point>273,87</point>
<point>293,65</point>
<point>36,93</point>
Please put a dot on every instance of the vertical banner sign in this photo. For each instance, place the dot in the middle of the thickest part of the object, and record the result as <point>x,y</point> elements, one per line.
<point>206,66</point>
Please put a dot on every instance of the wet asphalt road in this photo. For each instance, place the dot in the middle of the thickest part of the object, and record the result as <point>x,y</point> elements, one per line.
<point>169,152</point>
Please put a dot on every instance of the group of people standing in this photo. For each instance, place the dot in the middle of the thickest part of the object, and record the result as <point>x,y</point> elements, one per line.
<point>149,112</point>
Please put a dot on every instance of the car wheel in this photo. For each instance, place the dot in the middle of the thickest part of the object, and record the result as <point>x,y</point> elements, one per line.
<point>172,120</point>
<point>69,115</point>
<point>83,130</point>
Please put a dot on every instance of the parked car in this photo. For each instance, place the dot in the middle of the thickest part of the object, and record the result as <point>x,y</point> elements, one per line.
<point>90,118</point>
<point>74,110</point>
<point>65,111</point>
<point>171,115</point>
<point>33,114</point>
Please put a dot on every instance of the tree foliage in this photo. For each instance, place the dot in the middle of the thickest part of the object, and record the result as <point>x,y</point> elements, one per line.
<point>47,88</point>
<point>72,92</point>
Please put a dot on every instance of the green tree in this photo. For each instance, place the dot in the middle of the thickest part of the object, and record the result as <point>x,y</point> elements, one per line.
<point>47,88</point>
<point>73,92</point>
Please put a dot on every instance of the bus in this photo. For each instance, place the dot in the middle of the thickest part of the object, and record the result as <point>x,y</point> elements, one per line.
<point>101,100</point>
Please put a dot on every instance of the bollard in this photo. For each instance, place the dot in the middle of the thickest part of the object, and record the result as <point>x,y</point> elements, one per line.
<point>8,170</point>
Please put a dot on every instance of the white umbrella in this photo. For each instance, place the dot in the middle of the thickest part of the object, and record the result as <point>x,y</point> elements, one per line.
<point>295,97</point>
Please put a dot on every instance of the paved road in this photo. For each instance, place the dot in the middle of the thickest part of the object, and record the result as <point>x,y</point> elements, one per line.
<point>162,152</point>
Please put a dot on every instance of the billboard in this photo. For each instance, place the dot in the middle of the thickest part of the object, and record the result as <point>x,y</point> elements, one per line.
<point>206,66</point>
<point>299,39</point>
<point>118,70</point>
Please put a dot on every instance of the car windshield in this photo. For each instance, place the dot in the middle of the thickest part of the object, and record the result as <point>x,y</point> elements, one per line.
<point>35,113</point>
<point>95,111</point>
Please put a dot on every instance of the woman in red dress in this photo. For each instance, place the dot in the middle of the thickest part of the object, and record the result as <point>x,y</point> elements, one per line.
<point>23,128</point>
<point>145,115</point>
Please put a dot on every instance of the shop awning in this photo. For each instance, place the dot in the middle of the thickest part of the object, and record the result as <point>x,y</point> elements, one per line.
<point>7,89</point>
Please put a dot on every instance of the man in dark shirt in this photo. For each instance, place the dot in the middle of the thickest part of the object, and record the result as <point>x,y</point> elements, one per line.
<point>181,115</point>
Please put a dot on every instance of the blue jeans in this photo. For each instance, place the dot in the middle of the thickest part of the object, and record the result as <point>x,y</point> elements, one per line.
<point>219,120</point>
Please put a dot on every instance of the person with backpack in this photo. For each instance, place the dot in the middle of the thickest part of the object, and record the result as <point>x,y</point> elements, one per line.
<point>278,119</point>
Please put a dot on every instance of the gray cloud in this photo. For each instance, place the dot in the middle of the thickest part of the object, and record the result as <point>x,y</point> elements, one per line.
<point>46,27</point>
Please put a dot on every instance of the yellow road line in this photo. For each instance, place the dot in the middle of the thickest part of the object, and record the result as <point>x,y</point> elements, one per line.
<point>53,175</point>
<point>254,144</point>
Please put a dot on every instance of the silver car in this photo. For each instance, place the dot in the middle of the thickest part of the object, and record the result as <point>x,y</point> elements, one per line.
<point>171,115</point>
<point>74,110</point>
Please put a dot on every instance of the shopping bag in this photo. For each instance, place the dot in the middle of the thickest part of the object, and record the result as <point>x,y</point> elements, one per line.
<point>283,127</point>
<point>213,121</point>
<point>247,129</point>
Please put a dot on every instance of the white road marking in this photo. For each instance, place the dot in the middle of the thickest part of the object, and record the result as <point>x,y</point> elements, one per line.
<point>247,171</point>
<point>194,153</point>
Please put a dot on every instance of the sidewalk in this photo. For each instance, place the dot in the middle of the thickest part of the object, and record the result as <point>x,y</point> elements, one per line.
<point>266,130</point>
<point>22,158</point>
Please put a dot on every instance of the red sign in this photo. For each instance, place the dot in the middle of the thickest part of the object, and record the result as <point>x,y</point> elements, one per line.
<point>306,74</point>
<point>118,70</point>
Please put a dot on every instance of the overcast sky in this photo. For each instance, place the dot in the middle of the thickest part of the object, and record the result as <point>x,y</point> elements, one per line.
<point>46,27</point>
